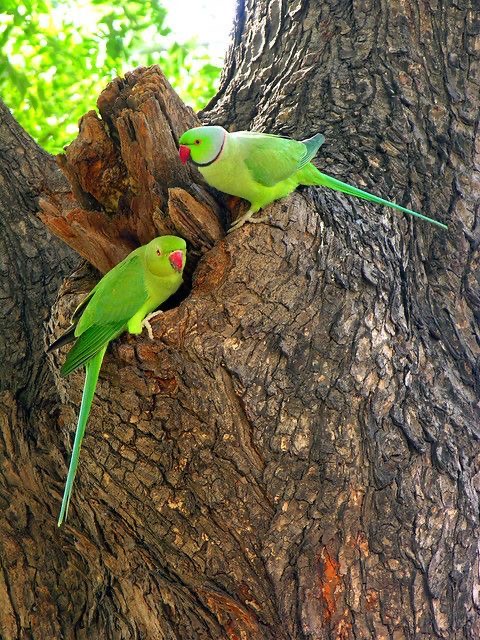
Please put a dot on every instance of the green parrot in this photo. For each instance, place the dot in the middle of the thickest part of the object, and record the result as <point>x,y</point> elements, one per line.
<point>121,301</point>
<point>261,168</point>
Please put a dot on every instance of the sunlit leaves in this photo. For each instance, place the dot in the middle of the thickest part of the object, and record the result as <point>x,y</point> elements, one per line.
<point>57,55</point>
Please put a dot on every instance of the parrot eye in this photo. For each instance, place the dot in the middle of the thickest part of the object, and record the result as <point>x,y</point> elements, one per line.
<point>159,253</point>
<point>197,141</point>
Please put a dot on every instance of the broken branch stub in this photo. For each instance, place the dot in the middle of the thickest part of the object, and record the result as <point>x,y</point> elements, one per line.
<point>122,167</point>
<point>193,219</point>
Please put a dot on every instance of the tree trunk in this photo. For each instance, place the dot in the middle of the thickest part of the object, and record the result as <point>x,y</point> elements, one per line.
<point>295,455</point>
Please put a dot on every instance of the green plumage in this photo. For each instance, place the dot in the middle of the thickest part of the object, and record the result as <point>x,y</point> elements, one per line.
<point>109,306</point>
<point>262,168</point>
<point>119,302</point>
<point>290,156</point>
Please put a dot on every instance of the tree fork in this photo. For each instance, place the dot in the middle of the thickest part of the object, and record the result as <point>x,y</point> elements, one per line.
<point>121,167</point>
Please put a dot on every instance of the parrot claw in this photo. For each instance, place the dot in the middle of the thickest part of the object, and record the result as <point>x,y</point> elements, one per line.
<point>264,218</point>
<point>247,217</point>
<point>146,322</point>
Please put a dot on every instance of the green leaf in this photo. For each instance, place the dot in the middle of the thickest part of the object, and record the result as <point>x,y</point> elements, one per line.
<point>53,65</point>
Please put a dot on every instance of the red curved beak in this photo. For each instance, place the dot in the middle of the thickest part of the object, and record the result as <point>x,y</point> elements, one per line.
<point>184,153</point>
<point>176,260</point>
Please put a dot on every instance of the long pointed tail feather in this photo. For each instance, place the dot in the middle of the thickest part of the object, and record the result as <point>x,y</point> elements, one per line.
<point>92,370</point>
<point>322,179</point>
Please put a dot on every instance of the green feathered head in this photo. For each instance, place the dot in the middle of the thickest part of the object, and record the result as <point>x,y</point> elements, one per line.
<point>165,255</point>
<point>202,145</point>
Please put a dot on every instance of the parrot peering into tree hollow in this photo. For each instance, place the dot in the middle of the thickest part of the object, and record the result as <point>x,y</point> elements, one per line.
<point>261,167</point>
<point>121,301</point>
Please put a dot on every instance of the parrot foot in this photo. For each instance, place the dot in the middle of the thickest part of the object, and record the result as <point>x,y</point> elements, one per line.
<point>247,217</point>
<point>146,322</point>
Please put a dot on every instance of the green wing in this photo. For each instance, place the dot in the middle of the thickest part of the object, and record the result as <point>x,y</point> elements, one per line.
<point>112,303</point>
<point>271,159</point>
<point>69,335</point>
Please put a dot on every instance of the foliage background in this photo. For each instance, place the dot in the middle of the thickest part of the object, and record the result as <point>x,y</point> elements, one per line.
<point>57,55</point>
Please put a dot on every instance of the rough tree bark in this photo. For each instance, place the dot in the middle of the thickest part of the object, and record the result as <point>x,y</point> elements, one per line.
<point>295,455</point>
